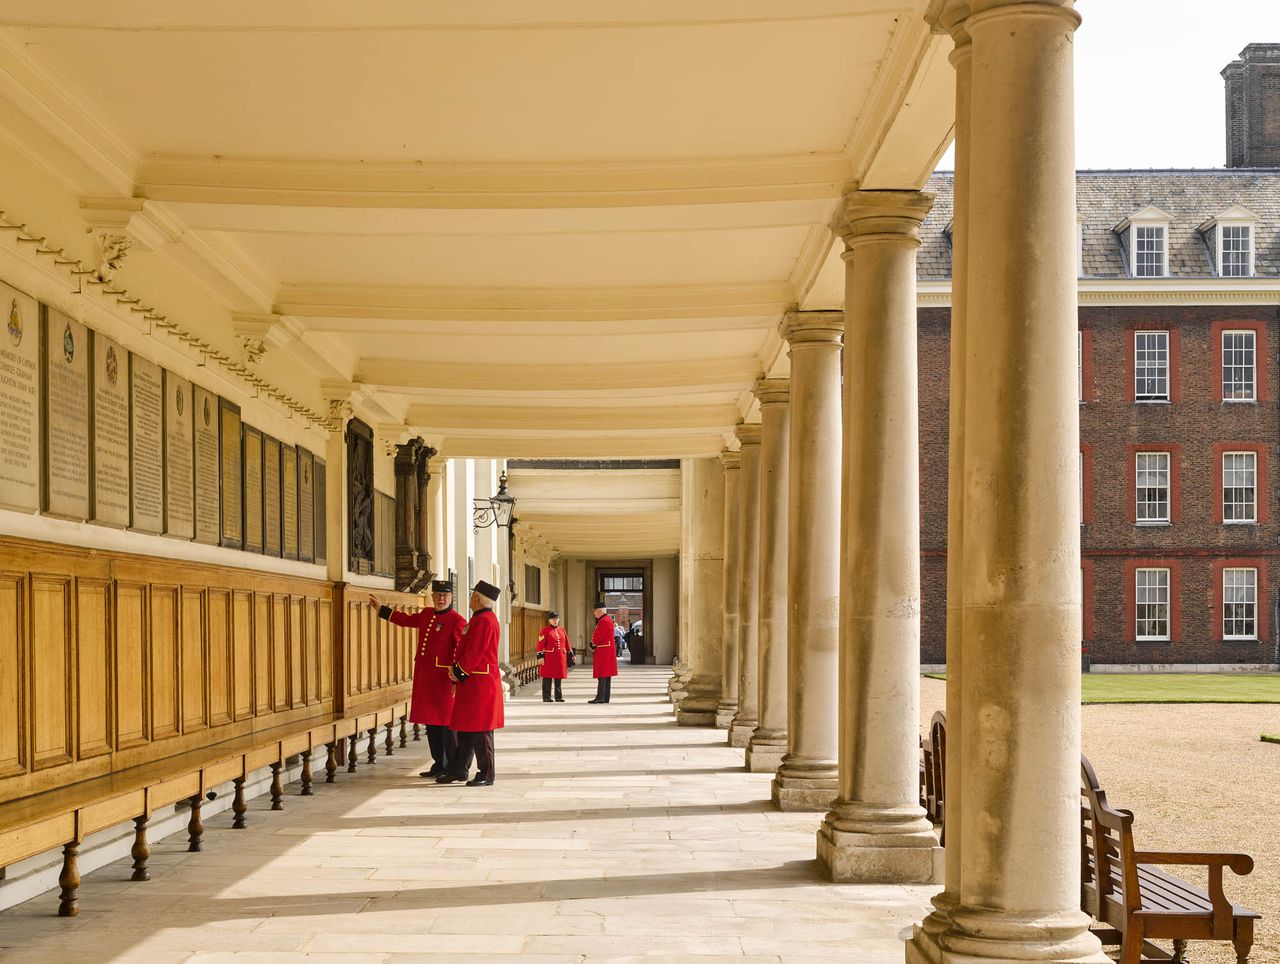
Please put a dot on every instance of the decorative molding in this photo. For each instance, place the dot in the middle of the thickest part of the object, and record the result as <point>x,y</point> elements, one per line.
<point>338,396</point>
<point>251,332</point>
<point>146,224</point>
<point>1164,291</point>
<point>549,418</point>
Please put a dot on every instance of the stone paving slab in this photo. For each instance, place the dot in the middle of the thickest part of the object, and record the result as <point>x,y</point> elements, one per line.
<point>611,835</point>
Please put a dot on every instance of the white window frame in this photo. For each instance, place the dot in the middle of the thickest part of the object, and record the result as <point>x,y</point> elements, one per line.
<point>1139,471</point>
<point>1251,468</point>
<point>1080,366</point>
<point>1249,588</point>
<point>1252,366</point>
<point>1147,610</point>
<point>1163,228</point>
<point>1247,226</point>
<point>1138,336</point>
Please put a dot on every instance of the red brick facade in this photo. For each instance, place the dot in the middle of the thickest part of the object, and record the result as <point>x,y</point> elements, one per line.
<point>1196,427</point>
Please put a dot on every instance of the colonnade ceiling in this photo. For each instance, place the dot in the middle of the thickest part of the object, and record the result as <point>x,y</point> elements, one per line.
<point>522,228</point>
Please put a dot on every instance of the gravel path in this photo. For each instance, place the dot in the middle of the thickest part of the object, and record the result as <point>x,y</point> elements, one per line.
<point>1196,777</point>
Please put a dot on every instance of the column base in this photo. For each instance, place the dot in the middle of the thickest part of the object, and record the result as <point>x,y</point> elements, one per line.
<point>725,712</point>
<point>765,753</point>
<point>694,712</point>
<point>880,858</point>
<point>925,946</point>
<point>795,794</point>
<point>740,731</point>
<point>985,936</point>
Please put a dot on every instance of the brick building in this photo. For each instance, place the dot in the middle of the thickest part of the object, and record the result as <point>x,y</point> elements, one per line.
<point>1179,404</point>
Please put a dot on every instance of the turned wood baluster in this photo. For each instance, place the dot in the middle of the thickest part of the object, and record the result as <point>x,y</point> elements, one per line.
<point>404,732</point>
<point>391,743</point>
<point>141,851</point>
<point>416,735</point>
<point>331,763</point>
<point>69,881</point>
<point>238,805</point>
<point>351,754</point>
<point>373,745</point>
<point>277,788</point>
<point>306,790</point>
<point>195,829</point>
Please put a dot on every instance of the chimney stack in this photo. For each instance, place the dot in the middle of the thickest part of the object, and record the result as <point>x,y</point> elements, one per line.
<point>1253,107</point>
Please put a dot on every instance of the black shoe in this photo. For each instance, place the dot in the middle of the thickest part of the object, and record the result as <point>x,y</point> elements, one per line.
<point>546,699</point>
<point>479,782</point>
<point>559,699</point>
<point>593,701</point>
<point>450,778</point>
<point>435,771</point>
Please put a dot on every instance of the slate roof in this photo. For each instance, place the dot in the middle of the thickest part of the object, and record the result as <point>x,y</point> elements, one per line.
<point>1105,198</point>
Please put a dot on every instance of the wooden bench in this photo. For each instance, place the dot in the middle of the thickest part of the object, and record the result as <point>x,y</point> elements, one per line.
<point>64,817</point>
<point>1126,891</point>
<point>933,772</point>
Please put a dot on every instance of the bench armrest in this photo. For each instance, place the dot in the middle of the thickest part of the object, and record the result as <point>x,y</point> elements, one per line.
<point>1241,864</point>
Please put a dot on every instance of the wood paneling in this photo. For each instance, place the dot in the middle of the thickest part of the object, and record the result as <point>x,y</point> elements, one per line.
<point>52,671</point>
<point>262,702</point>
<point>133,721</point>
<point>242,649</point>
<point>93,667</point>
<point>326,647</point>
<point>218,621</point>
<point>311,629</point>
<point>193,668</point>
<point>279,652</point>
<point>297,648</point>
<point>164,693</point>
<point>13,682</point>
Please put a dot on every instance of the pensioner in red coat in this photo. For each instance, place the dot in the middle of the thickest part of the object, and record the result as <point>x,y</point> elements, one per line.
<point>604,659</point>
<point>477,703</point>
<point>554,642</point>
<point>438,636</point>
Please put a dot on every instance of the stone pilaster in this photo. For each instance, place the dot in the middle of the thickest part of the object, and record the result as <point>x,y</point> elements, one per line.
<point>706,594</point>
<point>745,717</point>
<point>732,462</point>
<point>769,739</point>
<point>877,830</point>
<point>806,779</point>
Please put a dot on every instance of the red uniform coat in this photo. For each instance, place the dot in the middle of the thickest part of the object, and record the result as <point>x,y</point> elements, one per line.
<point>438,635</point>
<point>604,659</point>
<point>477,705</point>
<point>553,641</point>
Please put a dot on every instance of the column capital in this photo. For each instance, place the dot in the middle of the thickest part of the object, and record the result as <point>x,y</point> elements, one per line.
<point>947,16</point>
<point>749,433</point>
<point>772,391</point>
<point>881,216</point>
<point>731,460</point>
<point>813,328</point>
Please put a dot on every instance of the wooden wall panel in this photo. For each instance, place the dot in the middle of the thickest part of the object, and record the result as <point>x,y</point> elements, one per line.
<point>242,654</point>
<point>13,677</point>
<point>279,652</point>
<point>297,649</point>
<point>165,701</point>
<point>193,665</point>
<point>262,701</point>
<point>218,622</point>
<point>93,667</point>
<point>325,638</point>
<point>133,721</point>
<point>52,671</point>
<point>311,651</point>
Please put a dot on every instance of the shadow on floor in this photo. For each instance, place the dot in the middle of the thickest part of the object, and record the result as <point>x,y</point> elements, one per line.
<point>549,816</point>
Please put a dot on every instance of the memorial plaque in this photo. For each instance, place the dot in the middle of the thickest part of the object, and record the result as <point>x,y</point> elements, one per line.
<point>289,499</point>
<point>321,510</point>
<point>66,416</point>
<point>253,499</point>
<point>19,401</point>
<point>306,506</point>
<point>146,445</point>
<point>179,458</point>
<point>205,414</point>
<point>271,496</point>
<point>231,474</point>
<point>110,429</point>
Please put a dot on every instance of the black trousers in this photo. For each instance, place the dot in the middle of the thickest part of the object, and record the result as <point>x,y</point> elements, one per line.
<point>444,745</point>
<point>603,685</point>
<point>478,746</point>
<point>546,688</point>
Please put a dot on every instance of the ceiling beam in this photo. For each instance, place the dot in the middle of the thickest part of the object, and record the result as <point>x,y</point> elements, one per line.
<point>606,419</point>
<point>502,378</point>
<point>578,447</point>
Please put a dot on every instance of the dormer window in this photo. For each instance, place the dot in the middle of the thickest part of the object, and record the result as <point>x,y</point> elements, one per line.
<point>1147,238</point>
<point>1230,239</point>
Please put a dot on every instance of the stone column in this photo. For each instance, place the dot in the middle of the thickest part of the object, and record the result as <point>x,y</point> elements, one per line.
<point>706,595</point>
<point>877,830</point>
<point>806,780</point>
<point>732,462</point>
<point>769,739</point>
<point>1020,625</point>
<point>744,718</point>
<point>435,518</point>
<point>680,669</point>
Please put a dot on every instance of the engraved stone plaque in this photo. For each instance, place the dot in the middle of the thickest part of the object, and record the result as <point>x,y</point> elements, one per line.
<point>110,387</point>
<point>306,506</point>
<point>19,400</point>
<point>146,445</point>
<point>253,500</point>
<point>66,416</point>
<point>271,496</point>
<point>289,499</point>
<point>320,502</point>
<point>205,415</point>
<point>231,474</point>
<point>179,458</point>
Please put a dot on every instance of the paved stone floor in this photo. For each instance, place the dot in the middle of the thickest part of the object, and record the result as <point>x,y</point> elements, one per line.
<point>612,834</point>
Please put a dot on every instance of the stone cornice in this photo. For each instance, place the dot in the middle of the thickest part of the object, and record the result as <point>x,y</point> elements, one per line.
<point>1207,291</point>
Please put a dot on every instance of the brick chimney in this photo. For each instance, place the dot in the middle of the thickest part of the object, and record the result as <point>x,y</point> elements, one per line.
<point>1253,107</point>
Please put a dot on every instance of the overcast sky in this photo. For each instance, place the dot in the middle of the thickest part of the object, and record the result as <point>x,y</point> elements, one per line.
<point>1148,86</point>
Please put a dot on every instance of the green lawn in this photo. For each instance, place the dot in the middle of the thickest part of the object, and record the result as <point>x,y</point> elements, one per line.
<point>1176,687</point>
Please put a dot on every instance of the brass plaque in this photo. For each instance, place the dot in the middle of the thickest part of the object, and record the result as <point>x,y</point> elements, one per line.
<point>271,495</point>
<point>66,416</point>
<point>146,445</point>
<point>19,401</point>
<point>253,499</point>
<point>306,506</point>
<point>207,466</point>
<point>289,499</point>
<point>231,474</point>
<point>179,458</point>
<point>110,428</point>
<point>321,512</point>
